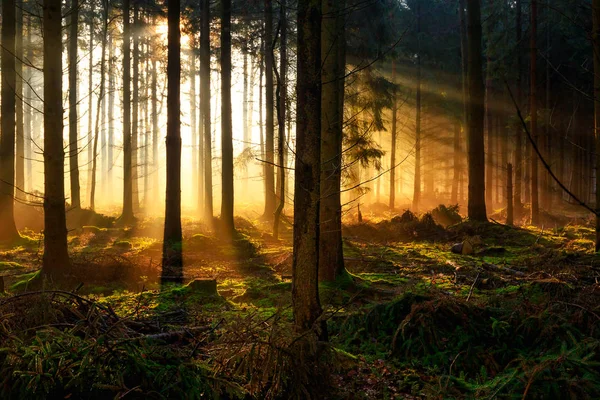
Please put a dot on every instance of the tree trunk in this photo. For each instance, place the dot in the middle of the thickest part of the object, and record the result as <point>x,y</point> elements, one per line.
<point>111,107</point>
<point>596,47</point>
<point>29,113</point>
<point>270,128</point>
<point>20,165</point>
<point>135,118</point>
<point>226,125</point>
<point>246,128</point>
<point>90,137</point>
<point>417,181</point>
<point>518,128</point>
<point>205,108</point>
<point>100,98</point>
<point>73,134</point>
<point>193,118</point>
<point>489,129</point>
<point>333,55</point>
<point>535,207</point>
<point>172,258</point>
<point>305,292</point>
<point>476,155</point>
<point>456,163</point>
<point>127,216</point>
<point>281,114</point>
<point>8,232</point>
<point>55,260</point>
<point>509,194</point>
<point>392,204</point>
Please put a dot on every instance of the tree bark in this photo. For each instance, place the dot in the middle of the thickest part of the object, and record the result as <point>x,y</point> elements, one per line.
<point>111,107</point>
<point>90,128</point>
<point>193,119</point>
<point>518,128</point>
<point>305,293</point>
<point>281,114</point>
<point>135,118</point>
<point>270,199</point>
<point>392,203</point>
<point>596,48</point>
<point>455,164</point>
<point>20,137</point>
<point>205,108</point>
<point>226,125</point>
<point>475,116</point>
<point>73,134</point>
<point>8,232</point>
<point>55,261</point>
<point>417,181</point>
<point>127,216</point>
<point>535,207</point>
<point>172,258</point>
<point>29,113</point>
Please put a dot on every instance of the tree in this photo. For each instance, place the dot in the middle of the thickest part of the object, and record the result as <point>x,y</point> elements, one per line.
<point>205,107</point>
<point>226,125</point>
<point>8,232</point>
<point>127,216</point>
<point>172,258</point>
<point>394,145</point>
<point>596,49</point>
<point>73,134</point>
<point>535,206</point>
<point>270,126</point>
<point>281,114</point>
<point>55,260</point>
<point>475,116</point>
<point>331,256</point>
<point>305,292</point>
<point>20,127</point>
<point>417,181</point>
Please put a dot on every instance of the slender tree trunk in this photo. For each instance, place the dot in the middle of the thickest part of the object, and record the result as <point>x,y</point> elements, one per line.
<point>305,293</point>
<point>226,125</point>
<point>596,49</point>
<point>20,165</point>
<point>476,154</point>
<point>392,204</point>
<point>535,207</point>
<point>73,134</point>
<point>489,128</point>
<point>147,128</point>
<point>246,127</point>
<point>509,195</point>
<point>172,259</point>
<point>135,118</point>
<point>127,216</point>
<point>193,118</point>
<point>155,182</point>
<point>270,129</point>
<point>100,98</point>
<point>111,107</point>
<point>8,232</point>
<point>205,111</point>
<point>281,114</point>
<point>90,137</point>
<point>417,181</point>
<point>55,261</point>
<point>29,113</point>
<point>465,95</point>
<point>261,121</point>
<point>518,128</point>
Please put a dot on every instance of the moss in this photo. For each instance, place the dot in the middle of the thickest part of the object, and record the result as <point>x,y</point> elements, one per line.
<point>26,281</point>
<point>9,266</point>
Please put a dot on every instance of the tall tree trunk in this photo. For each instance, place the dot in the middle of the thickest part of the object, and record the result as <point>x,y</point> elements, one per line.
<point>465,95</point>
<point>172,258</point>
<point>100,98</point>
<point>205,108</point>
<point>73,134</point>
<point>135,118</point>
<point>489,129</point>
<point>535,207</point>
<point>55,261</point>
<point>596,48</point>
<point>305,292</point>
<point>392,204</point>
<point>127,216</point>
<point>333,55</point>
<point>155,181</point>
<point>147,128</point>
<point>509,195</point>
<point>90,121</point>
<point>281,113</point>
<point>111,107</point>
<point>417,181</point>
<point>226,125</point>
<point>20,165</point>
<point>8,232</point>
<point>270,128</point>
<point>193,118</point>
<point>476,154</point>
<point>518,129</point>
<point>29,113</point>
<point>246,128</point>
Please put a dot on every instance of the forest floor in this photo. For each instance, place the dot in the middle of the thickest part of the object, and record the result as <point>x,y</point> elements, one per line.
<point>518,316</point>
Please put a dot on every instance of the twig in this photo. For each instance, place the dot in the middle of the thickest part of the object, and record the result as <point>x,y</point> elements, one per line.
<point>472,286</point>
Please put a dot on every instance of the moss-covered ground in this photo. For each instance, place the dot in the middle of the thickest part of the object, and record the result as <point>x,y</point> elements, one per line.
<point>519,317</point>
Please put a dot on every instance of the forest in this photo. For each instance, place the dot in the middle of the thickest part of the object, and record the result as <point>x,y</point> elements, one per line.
<point>300,199</point>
